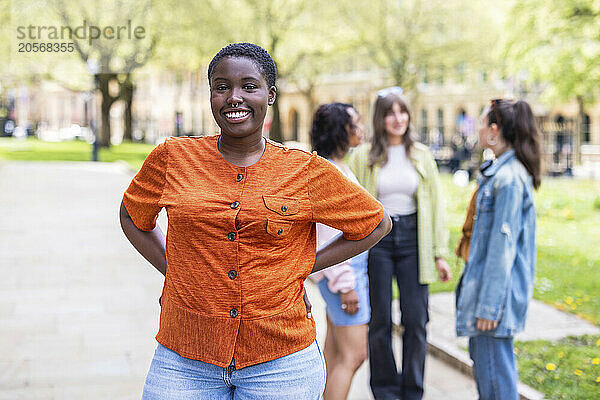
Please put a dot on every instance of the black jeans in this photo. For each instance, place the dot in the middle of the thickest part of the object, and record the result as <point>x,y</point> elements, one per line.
<point>397,255</point>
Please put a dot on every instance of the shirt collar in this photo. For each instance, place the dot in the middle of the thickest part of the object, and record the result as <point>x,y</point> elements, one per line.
<point>488,169</point>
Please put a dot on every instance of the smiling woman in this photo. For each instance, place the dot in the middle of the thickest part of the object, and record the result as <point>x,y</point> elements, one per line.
<point>403,175</point>
<point>241,241</point>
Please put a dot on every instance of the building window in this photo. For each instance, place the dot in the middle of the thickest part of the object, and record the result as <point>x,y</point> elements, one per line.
<point>294,120</point>
<point>586,129</point>
<point>460,73</point>
<point>440,127</point>
<point>424,127</point>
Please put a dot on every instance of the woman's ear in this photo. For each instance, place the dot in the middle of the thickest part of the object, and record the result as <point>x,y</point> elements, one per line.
<point>272,95</point>
<point>495,128</point>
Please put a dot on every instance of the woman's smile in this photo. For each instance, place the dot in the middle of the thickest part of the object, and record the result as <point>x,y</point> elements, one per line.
<point>237,116</point>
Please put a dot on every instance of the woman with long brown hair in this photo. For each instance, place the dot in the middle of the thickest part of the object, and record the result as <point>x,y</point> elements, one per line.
<point>497,284</point>
<point>401,173</point>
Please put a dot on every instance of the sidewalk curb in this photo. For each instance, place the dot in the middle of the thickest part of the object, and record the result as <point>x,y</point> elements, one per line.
<point>460,360</point>
<point>128,169</point>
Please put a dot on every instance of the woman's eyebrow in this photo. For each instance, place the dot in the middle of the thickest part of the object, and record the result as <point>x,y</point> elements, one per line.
<point>250,78</point>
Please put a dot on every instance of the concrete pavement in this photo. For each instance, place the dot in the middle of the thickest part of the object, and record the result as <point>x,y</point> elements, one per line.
<point>442,381</point>
<point>79,307</point>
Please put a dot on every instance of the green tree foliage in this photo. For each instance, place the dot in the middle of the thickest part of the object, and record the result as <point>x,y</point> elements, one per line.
<point>558,42</point>
<point>410,37</point>
<point>111,60</point>
<point>300,35</point>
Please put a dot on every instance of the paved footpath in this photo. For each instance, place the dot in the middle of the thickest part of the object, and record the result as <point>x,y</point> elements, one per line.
<point>442,381</point>
<point>79,307</point>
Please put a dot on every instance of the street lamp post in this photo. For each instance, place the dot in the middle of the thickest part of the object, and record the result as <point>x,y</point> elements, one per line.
<point>93,68</point>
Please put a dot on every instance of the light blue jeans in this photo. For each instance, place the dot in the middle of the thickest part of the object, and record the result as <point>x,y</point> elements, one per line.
<point>297,376</point>
<point>494,367</point>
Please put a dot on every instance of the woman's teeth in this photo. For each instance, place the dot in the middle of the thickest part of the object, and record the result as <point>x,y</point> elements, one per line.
<point>237,114</point>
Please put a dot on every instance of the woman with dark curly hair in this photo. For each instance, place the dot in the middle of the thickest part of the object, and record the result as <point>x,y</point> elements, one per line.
<point>336,128</point>
<point>241,241</point>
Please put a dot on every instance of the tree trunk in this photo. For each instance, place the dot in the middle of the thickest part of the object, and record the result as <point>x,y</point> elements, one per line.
<point>276,133</point>
<point>127,96</point>
<point>103,134</point>
<point>580,127</point>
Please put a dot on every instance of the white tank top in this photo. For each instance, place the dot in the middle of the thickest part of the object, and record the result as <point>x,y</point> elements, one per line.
<point>397,183</point>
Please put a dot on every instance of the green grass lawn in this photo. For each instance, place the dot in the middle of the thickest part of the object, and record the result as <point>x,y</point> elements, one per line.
<point>568,277</point>
<point>568,265</point>
<point>567,369</point>
<point>77,150</point>
<point>568,241</point>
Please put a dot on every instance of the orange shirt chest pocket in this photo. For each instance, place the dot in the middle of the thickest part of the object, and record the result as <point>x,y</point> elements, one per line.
<point>282,213</point>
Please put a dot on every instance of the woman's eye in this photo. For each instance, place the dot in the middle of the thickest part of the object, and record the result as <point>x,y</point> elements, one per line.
<point>221,87</point>
<point>250,86</point>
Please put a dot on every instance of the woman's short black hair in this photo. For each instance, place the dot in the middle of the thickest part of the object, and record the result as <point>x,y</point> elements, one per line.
<point>257,54</point>
<point>328,135</point>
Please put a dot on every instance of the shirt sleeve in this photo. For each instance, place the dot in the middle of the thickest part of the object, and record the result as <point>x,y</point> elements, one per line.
<point>340,203</point>
<point>440,231</point>
<point>142,197</point>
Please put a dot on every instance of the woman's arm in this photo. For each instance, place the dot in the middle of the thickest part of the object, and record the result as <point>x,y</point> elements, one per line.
<point>340,277</point>
<point>440,230</point>
<point>150,244</point>
<point>342,249</point>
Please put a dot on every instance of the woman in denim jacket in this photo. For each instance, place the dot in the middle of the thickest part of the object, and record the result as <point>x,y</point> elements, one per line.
<point>497,283</point>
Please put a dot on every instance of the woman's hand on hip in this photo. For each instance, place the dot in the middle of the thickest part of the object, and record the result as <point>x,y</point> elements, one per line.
<point>308,305</point>
<point>486,324</point>
<point>349,302</point>
<point>443,269</point>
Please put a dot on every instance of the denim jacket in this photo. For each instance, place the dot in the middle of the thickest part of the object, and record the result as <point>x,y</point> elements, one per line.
<point>497,283</point>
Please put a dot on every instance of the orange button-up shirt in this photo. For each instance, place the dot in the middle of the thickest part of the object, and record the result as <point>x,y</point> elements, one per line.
<point>240,243</point>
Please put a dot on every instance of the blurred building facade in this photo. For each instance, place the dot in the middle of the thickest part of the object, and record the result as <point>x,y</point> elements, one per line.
<point>445,111</point>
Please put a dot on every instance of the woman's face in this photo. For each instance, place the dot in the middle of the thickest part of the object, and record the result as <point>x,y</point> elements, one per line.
<point>239,96</point>
<point>355,131</point>
<point>483,131</point>
<point>396,121</point>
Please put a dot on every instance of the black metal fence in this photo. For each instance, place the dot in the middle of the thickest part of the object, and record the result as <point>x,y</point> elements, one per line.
<point>559,144</point>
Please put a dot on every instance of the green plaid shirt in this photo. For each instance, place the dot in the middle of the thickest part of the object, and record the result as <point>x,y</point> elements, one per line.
<point>432,232</point>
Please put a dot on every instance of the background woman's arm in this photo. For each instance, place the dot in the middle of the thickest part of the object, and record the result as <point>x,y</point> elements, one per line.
<point>150,244</point>
<point>440,229</point>
<point>341,249</point>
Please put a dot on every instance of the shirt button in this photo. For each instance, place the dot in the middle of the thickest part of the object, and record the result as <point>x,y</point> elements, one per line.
<point>284,208</point>
<point>232,274</point>
<point>474,217</point>
<point>235,204</point>
<point>239,177</point>
<point>231,236</point>
<point>233,312</point>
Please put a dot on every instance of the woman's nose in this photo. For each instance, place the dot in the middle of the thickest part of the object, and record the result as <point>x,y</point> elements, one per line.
<point>235,97</point>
